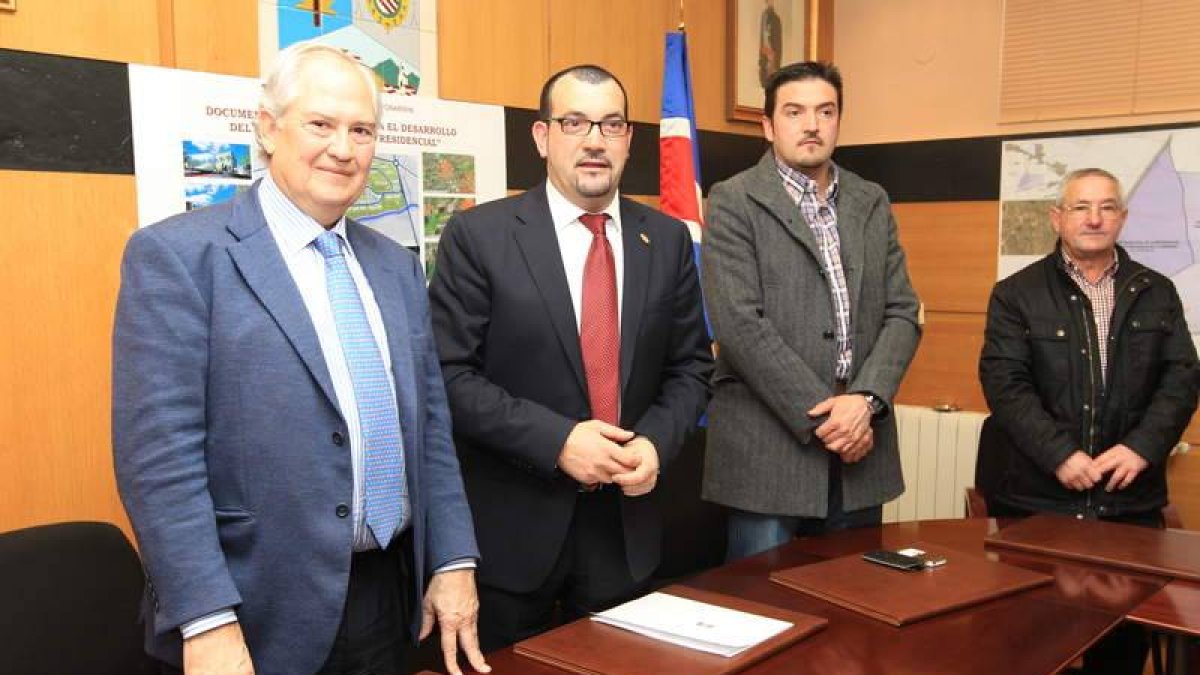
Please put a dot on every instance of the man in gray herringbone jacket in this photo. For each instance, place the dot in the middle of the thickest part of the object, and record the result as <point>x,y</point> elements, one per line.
<point>816,319</point>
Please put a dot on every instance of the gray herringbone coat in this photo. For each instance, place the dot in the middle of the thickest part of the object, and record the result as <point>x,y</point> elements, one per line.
<point>773,319</point>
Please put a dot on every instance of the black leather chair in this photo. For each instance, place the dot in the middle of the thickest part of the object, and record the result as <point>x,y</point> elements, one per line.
<point>69,602</point>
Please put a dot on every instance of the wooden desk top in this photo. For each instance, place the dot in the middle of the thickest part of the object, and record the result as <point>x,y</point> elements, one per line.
<point>1175,607</point>
<point>1038,631</point>
<point>1170,553</point>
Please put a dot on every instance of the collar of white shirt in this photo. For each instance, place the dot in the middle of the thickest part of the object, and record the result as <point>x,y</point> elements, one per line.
<point>294,229</point>
<point>564,213</point>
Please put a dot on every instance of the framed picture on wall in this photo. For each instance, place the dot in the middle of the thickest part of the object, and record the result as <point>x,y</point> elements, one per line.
<point>8,5</point>
<point>762,36</point>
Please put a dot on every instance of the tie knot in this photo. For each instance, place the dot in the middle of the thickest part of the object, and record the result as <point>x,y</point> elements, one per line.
<point>594,222</point>
<point>329,246</point>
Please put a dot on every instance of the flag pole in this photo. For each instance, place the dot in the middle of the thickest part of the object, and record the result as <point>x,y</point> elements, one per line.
<point>681,25</point>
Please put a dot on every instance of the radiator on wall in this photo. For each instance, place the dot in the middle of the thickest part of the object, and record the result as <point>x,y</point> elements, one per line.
<point>937,454</point>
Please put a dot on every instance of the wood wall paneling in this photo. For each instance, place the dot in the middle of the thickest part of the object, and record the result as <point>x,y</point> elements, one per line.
<point>1183,486</point>
<point>1148,67</point>
<point>945,369</point>
<point>64,233</point>
<point>215,37</point>
<point>493,51</point>
<point>501,51</point>
<point>1192,436</point>
<point>114,31</point>
<point>624,36</point>
<point>951,249</point>
<point>925,69</point>
<point>707,51</point>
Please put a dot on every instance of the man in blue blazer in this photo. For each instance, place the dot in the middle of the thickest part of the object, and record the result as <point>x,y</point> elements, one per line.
<point>280,428</point>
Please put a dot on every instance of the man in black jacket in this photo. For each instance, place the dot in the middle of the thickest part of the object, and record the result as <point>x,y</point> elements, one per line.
<point>1090,372</point>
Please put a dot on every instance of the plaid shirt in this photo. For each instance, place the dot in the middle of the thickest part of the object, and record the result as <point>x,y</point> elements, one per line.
<point>821,216</point>
<point>1102,295</point>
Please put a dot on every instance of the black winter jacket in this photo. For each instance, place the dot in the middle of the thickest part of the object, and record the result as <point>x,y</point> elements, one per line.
<point>1040,371</point>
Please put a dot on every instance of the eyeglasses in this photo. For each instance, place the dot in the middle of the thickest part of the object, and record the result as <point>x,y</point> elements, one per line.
<point>614,127</point>
<point>1081,210</point>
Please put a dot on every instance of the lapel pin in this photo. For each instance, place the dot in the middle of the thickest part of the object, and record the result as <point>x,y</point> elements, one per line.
<point>645,239</point>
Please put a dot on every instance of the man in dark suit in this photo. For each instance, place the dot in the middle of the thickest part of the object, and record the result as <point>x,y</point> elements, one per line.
<point>280,429</point>
<point>576,361</point>
<point>816,320</point>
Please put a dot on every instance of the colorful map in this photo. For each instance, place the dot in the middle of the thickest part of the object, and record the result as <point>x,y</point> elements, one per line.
<point>449,173</point>
<point>1160,173</point>
<point>384,34</point>
<point>391,201</point>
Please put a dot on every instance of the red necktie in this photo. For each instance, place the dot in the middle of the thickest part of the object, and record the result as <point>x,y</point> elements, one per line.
<point>599,337</point>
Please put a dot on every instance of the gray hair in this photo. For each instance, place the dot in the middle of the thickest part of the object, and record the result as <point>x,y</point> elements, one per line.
<point>281,84</point>
<point>1090,172</point>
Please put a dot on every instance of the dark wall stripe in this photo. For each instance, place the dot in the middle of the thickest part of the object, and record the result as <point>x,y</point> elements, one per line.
<point>929,171</point>
<point>59,113</point>
<point>959,169</point>
<point>526,169</point>
<point>721,155</point>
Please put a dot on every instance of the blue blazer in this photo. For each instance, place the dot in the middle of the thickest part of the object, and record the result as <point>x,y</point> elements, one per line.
<point>229,445</point>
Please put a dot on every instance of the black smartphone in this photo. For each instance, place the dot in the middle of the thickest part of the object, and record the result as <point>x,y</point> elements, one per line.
<point>895,560</point>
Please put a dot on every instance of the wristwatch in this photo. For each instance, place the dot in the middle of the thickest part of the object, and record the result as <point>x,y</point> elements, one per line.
<point>877,405</point>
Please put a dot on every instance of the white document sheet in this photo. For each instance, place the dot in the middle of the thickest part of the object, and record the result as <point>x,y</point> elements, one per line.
<point>697,625</point>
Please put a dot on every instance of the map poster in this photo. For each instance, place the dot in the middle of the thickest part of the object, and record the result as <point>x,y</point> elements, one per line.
<point>1160,174</point>
<point>193,146</point>
<point>395,38</point>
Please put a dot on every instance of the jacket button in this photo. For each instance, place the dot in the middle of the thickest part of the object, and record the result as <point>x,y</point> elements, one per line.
<point>1060,332</point>
<point>342,510</point>
<point>1087,407</point>
<point>1074,298</point>
<point>828,335</point>
<point>1083,351</point>
<point>1137,324</point>
<point>337,438</point>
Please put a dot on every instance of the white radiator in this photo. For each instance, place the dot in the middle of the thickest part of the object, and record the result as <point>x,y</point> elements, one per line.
<point>937,454</point>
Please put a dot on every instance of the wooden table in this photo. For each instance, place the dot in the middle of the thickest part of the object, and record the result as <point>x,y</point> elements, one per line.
<point>1038,631</point>
<point>1174,609</point>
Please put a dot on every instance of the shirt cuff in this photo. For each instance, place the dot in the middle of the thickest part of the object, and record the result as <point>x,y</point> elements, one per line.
<point>459,564</point>
<point>206,623</point>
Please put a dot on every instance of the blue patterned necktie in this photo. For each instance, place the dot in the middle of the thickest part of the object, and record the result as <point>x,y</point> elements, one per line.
<point>378,415</point>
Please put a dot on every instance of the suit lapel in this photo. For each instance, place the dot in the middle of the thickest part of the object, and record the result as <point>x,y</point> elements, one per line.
<point>636,247</point>
<point>385,280</point>
<point>852,218</point>
<point>539,246</point>
<point>260,263</point>
<point>766,188</point>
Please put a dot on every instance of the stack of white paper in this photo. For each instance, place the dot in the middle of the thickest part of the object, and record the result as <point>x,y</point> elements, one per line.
<point>698,625</point>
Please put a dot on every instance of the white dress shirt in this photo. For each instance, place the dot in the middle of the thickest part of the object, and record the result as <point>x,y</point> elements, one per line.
<point>574,240</point>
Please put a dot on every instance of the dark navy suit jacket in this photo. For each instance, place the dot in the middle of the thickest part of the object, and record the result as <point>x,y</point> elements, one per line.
<point>510,352</point>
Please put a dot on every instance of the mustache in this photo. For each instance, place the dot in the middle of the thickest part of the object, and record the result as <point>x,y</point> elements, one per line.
<point>809,136</point>
<point>595,158</point>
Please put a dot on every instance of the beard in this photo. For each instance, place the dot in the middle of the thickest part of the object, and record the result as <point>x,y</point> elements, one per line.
<point>594,186</point>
